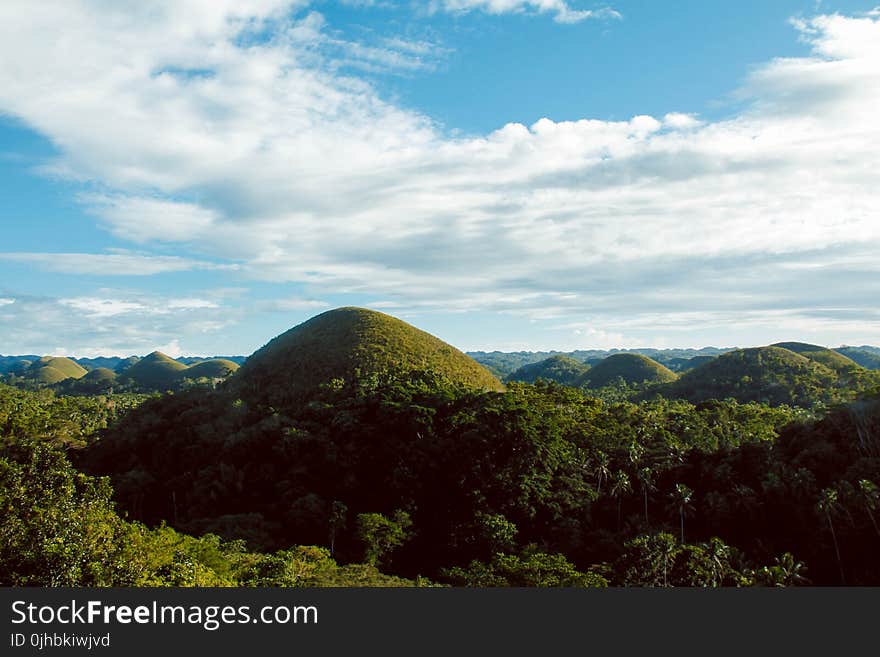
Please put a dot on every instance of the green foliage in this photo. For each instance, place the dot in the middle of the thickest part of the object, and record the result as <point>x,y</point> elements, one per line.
<point>58,528</point>
<point>68,420</point>
<point>659,560</point>
<point>785,571</point>
<point>221,486</point>
<point>381,535</point>
<point>532,568</point>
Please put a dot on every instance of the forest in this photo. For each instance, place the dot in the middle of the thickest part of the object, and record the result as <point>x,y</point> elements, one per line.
<point>405,470</point>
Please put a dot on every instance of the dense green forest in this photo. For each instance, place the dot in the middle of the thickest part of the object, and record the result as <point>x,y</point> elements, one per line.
<point>324,468</point>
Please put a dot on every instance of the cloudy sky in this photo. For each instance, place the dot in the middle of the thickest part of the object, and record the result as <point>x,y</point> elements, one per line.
<point>507,174</point>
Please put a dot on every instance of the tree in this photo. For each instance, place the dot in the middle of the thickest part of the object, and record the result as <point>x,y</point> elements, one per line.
<point>381,535</point>
<point>786,571</point>
<point>869,496</point>
<point>530,568</point>
<point>646,479</point>
<point>620,486</point>
<point>648,560</point>
<point>338,511</point>
<point>681,501</point>
<point>602,470</point>
<point>829,506</point>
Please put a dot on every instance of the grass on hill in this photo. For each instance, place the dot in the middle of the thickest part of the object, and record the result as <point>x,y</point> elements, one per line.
<point>827,357</point>
<point>210,369</point>
<point>351,344</point>
<point>156,372</point>
<point>631,368</point>
<point>771,375</point>
<point>53,369</point>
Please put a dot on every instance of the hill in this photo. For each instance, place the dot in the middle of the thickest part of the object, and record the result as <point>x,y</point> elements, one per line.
<point>153,372</point>
<point>561,369</point>
<point>827,357</point>
<point>97,381</point>
<point>49,370</point>
<point>772,375</point>
<point>631,368</point>
<point>679,365</point>
<point>15,364</point>
<point>862,356</point>
<point>350,344</point>
<point>125,363</point>
<point>218,368</point>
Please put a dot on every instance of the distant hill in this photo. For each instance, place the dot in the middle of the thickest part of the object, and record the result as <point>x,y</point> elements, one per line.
<point>125,363</point>
<point>349,344</point>
<point>561,369</point>
<point>505,363</point>
<point>154,372</point>
<point>218,368</point>
<point>684,364</point>
<point>195,360</point>
<point>98,381</point>
<point>53,369</point>
<point>867,357</point>
<point>10,364</point>
<point>827,357</point>
<point>764,374</point>
<point>631,368</point>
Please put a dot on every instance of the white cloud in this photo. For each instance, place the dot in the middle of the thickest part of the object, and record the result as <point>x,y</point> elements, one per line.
<point>291,303</point>
<point>146,219</point>
<point>266,154</point>
<point>118,322</point>
<point>5,302</point>
<point>190,304</point>
<point>101,307</point>
<point>561,10</point>
<point>172,349</point>
<point>109,264</point>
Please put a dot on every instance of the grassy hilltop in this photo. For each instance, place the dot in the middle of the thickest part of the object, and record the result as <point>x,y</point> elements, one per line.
<point>347,344</point>
<point>632,368</point>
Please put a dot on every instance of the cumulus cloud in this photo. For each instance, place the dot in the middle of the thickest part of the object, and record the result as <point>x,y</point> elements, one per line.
<point>203,130</point>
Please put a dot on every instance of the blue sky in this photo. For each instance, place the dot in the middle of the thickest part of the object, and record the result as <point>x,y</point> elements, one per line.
<point>507,174</point>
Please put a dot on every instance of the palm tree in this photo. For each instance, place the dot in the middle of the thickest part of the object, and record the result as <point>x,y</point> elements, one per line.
<point>601,469</point>
<point>828,506</point>
<point>869,495</point>
<point>646,478</point>
<point>681,500</point>
<point>620,486</point>
<point>791,570</point>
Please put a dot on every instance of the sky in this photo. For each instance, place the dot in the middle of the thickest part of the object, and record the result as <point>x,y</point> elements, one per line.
<point>199,176</point>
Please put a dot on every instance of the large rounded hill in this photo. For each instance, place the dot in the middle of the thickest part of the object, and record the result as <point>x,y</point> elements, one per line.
<point>827,357</point>
<point>154,372</point>
<point>772,375</point>
<point>53,369</point>
<point>630,368</point>
<point>350,344</point>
